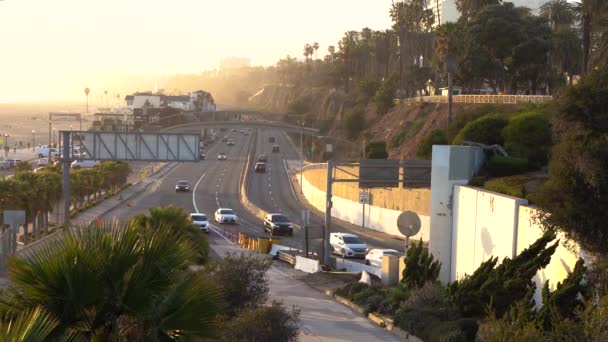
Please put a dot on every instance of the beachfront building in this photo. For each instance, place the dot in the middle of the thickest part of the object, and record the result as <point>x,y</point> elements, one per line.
<point>445,10</point>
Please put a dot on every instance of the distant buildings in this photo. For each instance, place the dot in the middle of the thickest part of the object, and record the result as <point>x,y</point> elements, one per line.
<point>143,109</point>
<point>446,11</point>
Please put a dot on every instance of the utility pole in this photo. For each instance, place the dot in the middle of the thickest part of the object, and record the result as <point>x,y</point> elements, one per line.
<point>328,206</point>
<point>301,163</point>
<point>66,177</point>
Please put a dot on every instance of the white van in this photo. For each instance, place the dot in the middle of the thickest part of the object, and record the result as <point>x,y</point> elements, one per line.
<point>77,164</point>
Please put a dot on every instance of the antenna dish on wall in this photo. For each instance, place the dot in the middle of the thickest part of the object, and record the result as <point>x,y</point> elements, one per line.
<point>408,223</point>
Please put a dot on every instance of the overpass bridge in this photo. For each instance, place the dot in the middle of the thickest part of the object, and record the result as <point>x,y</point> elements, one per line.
<point>245,123</point>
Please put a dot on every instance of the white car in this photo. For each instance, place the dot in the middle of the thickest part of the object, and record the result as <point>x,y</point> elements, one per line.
<point>201,220</point>
<point>43,161</point>
<point>225,215</point>
<point>77,164</point>
<point>222,156</point>
<point>374,257</point>
<point>347,245</point>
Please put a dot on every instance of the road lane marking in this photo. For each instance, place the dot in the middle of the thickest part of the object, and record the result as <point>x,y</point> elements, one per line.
<point>194,191</point>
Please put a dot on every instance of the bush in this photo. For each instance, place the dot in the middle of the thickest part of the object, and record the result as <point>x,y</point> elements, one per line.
<point>243,280</point>
<point>408,130</point>
<point>500,166</point>
<point>376,150</point>
<point>366,90</point>
<point>463,117</point>
<point>264,324</point>
<point>501,185</point>
<point>354,122</point>
<point>420,267</point>
<point>429,295</point>
<point>528,135</point>
<point>486,130</point>
<point>434,137</point>
<point>385,97</point>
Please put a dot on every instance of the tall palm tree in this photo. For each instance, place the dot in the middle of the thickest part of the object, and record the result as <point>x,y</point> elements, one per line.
<point>315,46</point>
<point>588,11</point>
<point>110,282</point>
<point>559,13</point>
<point>176,219</point>
<point>468,8</point>
<point>306,52</point>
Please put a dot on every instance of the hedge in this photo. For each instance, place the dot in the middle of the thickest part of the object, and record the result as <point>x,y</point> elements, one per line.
<point>506,166</point>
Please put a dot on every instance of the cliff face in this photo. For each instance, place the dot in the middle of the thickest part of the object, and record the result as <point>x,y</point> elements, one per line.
<point>403,127</point>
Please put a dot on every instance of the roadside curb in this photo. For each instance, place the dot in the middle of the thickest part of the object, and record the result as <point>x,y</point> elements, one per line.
<point>382,321</point>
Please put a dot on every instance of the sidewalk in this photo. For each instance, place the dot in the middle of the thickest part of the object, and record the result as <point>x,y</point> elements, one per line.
<point>321,317</point>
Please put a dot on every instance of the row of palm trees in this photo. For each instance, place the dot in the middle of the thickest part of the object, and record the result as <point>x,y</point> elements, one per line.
<point>39,192</point>
<point>111,282</point>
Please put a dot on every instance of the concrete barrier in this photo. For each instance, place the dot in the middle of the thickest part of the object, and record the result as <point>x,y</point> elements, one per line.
<point>352,266</point>
<point>250,207</point>
<point>307,265</point>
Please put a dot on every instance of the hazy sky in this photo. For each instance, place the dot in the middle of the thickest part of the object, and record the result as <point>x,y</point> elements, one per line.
<point>52,49</point>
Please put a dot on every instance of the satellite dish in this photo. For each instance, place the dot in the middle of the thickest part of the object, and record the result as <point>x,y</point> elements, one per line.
<point>408,223</point>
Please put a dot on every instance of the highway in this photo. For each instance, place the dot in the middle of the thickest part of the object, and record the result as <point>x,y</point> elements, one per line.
<point>215,183</point>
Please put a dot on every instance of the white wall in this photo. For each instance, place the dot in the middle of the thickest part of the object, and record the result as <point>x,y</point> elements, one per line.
<point>452,165</point>
<point>485,225</point>
<point>563,260</point>
<point>376,218</point>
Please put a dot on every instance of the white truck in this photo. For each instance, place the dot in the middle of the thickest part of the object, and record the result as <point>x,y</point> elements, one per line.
<point>43,151</point>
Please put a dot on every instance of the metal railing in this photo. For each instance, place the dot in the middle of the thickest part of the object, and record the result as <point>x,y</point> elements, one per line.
<point>479,99</point>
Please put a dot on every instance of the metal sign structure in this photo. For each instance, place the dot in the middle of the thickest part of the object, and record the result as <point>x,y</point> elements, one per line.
<point>379,173</point>
<point>138,146</point>
<point>416,173</point>
<point>125,146</point>
<point>363,197</point>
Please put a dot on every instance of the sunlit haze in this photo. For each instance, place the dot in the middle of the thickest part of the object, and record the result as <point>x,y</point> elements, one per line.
<point>52,49</point>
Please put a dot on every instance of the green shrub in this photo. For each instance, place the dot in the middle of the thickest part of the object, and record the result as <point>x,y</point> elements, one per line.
<point>376,150</point>
<point>436,324</point>
<point>463,117</point>
<point>500,166</point>
<point>434,137</point>
<point>486,130</point>
<point>385,96</point>
<point>528,135</point>
<point>407,131</point>
<point>420,267</point>
<point>354,122</point>
<point>501,186</point>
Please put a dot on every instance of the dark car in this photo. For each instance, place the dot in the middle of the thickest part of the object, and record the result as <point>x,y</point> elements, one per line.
<point>182,185</point>
<point>262,158</point>
<point>260,167</point>
<point>270,139</point>
<point>275,149</point>
<point>278,224</point>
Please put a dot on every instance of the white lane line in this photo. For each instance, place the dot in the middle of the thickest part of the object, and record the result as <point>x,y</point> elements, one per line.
<point>194,191</point>
<point>218,232</point>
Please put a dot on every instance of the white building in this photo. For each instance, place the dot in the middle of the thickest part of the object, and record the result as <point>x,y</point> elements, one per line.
<point>196,101</point>
<point>446,11</point>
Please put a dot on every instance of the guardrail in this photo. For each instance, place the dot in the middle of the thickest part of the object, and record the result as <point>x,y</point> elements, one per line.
<point>288,258</point>
<point>479,99</point>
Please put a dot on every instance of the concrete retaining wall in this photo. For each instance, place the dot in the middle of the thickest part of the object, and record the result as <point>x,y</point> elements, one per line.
<point>307,265</point>
<point>376,218</point>
<point>490,224</point>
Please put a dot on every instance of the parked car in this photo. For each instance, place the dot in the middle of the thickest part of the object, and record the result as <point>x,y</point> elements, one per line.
<point>4,165</point>
<point>182,185</point>
<point>43,161</point>
<point>201,220</point>
<point>374,257</point>
<point>260,167</point>
<point>278,224</point>
<point>77,164</point>
<point>225,215</point>
<point>347,245</point>
<point>275,149</point>
<point>262,158</point>
<point>222,156</point>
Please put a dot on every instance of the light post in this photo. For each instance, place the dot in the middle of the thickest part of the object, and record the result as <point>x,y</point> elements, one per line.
<point>33,140</point>
<point>86,92</point>
<point>6,139</point>
<point>54,136</point>
<point>301,161</point>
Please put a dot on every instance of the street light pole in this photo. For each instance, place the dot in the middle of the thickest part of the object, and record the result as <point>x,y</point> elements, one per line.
<point>33,140</point>
<point>301,163</point>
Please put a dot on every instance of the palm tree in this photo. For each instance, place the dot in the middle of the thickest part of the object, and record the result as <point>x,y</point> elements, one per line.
<point>588,11</point>
<point>315,46</point>
<point>32,325</point>
<point>468,8</point>
<point>306,52</point>
<point>110,282</point>
<point>559,13</point>
<point>178,221</point>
